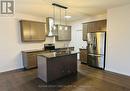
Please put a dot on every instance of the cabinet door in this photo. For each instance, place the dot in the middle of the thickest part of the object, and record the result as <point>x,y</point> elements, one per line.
<point>25,31</point>
<point>83,55</point>
<point>37,31</point>
<point>69,64</point>
<point>91,27</point>
<point>54,69</point>
<point>101,25</point>
<point>88,27</point>
<point>32,31</point>
<point>85,31</point>
<point>31,60</point>
<point>72,64</point>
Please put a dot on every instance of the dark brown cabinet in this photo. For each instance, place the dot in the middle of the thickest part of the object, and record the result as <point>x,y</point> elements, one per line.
<point>32,31</point>
<point>50,69</point>
<point>83,55</point>
<point>91,27</point>
<point>94,26</point>
<point>100,25</point>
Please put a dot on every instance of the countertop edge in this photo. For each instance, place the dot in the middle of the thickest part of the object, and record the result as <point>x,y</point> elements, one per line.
<point>42,50</point>
<point>57,56</point>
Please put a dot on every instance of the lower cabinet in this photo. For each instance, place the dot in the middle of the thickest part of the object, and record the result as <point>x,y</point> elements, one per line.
<point>83,55</point>
<point>62,66</point>
<point>30,59</point>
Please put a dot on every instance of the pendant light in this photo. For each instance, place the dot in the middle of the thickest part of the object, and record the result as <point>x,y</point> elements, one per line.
<point>60,26</point>
<point>52,27</point>
<point>65,14</point>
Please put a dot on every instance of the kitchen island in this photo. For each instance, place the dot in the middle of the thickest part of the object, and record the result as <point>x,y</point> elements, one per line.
<point>54,65</point>
<point>30,56</point>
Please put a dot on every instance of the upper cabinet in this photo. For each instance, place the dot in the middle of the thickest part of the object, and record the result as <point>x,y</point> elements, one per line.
<point>32,31</point>
<point>100,25</point>
<point>63,33</point>
<point>84,31</point>
<point>94,26</point>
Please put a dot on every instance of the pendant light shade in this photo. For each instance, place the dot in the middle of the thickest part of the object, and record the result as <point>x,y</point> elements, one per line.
<point>60,27</point>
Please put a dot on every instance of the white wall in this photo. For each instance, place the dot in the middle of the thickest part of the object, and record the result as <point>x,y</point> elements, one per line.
<point>10,42</point>
<point>11,45</point>
<point>118,41</point>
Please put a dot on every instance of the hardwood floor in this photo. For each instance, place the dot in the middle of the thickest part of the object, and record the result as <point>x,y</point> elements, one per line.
<point>87,79</point>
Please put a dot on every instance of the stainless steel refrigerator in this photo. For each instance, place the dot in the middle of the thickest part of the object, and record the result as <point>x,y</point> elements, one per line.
<point>96,49</point>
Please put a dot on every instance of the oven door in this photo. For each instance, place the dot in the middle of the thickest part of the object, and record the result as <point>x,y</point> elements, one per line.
<point>48,47</point>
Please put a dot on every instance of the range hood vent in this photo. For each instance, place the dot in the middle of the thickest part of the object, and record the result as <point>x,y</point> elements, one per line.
<point>51,29</point>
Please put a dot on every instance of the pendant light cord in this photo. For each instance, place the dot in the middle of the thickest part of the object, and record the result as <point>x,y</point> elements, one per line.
<point>54,14</point>
<point>65,17</point>
<point>60,16</point>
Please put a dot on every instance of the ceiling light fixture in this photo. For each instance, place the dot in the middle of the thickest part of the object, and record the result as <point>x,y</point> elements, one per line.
<point>52,26</point>
<point>65,14</point>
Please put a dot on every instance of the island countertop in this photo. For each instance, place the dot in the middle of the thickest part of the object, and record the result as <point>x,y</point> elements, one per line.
<point>57,54</point>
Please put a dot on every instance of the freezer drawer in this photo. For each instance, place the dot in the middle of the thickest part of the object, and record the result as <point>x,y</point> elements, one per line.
<point>96,60</point>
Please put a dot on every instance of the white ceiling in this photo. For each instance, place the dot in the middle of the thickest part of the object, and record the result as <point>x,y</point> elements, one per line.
<point>78,9</point>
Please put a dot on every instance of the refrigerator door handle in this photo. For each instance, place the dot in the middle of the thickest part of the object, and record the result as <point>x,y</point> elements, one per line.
<point>95,55</point>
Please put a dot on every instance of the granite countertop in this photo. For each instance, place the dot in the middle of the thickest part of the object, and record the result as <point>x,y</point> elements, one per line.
<point>42,50</point>
<point>57,54</point>
<point>35,50</point>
